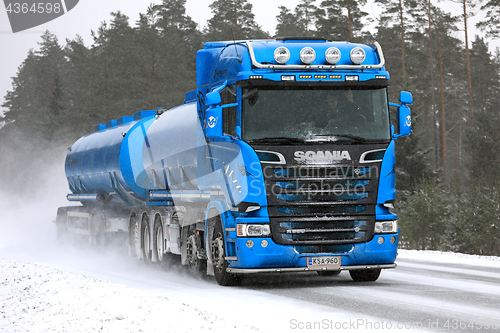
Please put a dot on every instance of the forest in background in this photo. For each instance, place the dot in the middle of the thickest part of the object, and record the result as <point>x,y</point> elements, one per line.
<point>448,180</point>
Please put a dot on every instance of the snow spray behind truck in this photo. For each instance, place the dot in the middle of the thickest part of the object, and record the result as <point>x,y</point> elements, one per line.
<point>282,160</point>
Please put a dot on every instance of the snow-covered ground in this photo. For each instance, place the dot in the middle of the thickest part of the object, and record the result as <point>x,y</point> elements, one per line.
<point>37,298</point>
<point>40,298</point>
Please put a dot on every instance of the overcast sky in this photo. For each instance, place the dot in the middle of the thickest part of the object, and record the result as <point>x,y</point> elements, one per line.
<point>88,15</point>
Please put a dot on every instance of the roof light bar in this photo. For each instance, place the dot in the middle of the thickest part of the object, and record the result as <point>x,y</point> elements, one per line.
<point>283,66</point>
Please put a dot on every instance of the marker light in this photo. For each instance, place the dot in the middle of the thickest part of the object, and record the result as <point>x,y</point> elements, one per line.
<point>358,55</point>
<point>332,55</point>
<point>281,55</point>
<point>307,55</point>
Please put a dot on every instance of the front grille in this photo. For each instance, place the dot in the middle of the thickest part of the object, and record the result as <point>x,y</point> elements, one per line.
<point>314,205</point>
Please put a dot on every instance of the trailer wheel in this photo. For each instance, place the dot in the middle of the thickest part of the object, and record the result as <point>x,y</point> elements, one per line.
<point>61,227</point>
<point>218,252</point>
<point>164,259</point>
<point>97,226</point>
<point>135,237</point>
<point>146,239</point>
<point>365,275</point>
<point>193,246</point>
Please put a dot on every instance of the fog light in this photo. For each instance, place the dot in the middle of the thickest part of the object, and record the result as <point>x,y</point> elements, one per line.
<point>358,55</point>
<point>307,55</point>
<point>381,240</point>
<point>393,240</point>
<point>281,55</point>
<point>249,243</point>
<point>332,55</point>
<point>264,243</point>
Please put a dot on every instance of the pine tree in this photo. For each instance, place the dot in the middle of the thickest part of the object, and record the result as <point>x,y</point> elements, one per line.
<point>397,12</point>
<point>288,25</point>
<point>305,13</point>
<point>492,23</point>
<point>233,19</point>
<point>483,137</point>
<point>340,19</point>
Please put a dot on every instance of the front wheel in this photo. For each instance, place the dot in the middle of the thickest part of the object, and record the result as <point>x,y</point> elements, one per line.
<point>218,253</point>
<point>365,275</point>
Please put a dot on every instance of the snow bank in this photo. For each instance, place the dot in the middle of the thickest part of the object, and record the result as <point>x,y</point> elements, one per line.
<point>450,258</point>
<point>37,298</point>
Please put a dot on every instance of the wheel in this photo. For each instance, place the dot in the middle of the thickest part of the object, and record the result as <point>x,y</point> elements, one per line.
<point>135,237</point>
<point>97,234</point>
<point>132,251</point>
<point>163,259</point>
<point>328,273</point>
<point>61,227</point>
<point>193,246</point>
<point>146,239</point>
<point>218,253</point>
<point>159,243</point>
<point>365,275</point>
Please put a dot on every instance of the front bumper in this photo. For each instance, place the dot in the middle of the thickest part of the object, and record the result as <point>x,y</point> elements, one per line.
<point>307,269</point>
<point>286,258</point>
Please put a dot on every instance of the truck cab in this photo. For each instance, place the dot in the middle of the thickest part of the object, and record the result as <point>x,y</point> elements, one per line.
<point>312,168</point>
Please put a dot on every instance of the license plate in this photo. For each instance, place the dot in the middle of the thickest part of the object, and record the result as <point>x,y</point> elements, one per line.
<point>323,261</point>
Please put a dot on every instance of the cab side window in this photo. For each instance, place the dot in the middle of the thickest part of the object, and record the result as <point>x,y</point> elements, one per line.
<point>228,96</point>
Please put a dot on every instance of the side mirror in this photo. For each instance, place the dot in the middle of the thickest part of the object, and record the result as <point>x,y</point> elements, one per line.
<point>213,98</point>
<point>404,121</point>
<point>213,122</point>
<point>404,114</point>
<point>405,97</point>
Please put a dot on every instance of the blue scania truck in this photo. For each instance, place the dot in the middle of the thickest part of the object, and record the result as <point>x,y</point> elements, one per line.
<point>281,160</point>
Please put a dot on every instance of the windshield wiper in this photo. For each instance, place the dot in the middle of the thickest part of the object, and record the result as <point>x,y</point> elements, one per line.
<point>277,140</point>
<point>348,136</point>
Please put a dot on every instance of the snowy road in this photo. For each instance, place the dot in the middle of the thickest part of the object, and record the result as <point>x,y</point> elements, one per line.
<point>47,287</point>
<point>427,291</point>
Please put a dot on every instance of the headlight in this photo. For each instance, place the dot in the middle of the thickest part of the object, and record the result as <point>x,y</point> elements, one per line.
<point>332,55</point>
<point>253,230</point>
<point>358,55</point>
<point>281,55</point>
<point>307,55</point>
<point>386,227</point>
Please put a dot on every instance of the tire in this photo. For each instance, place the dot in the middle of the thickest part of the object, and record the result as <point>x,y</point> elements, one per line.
<point>218,255</point>
<point>163,259</point>
<point>365,275</point>
<point>61,227</point>
<point>193,246</point>
<point>97,234</point>
<point>132,252</point>
<point>146,239</point>
<point>135,237</point>
<point>328,273</point>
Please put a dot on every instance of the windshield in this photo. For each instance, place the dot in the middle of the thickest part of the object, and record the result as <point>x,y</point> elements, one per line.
<point>315,114</point>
